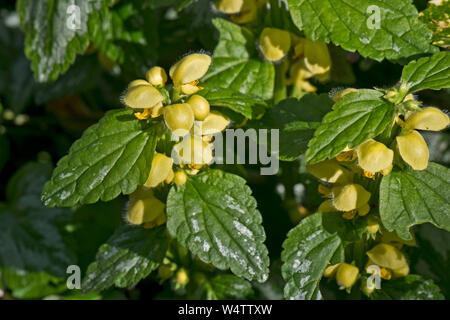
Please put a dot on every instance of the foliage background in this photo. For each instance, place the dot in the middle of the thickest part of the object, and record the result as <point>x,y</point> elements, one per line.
<point>40,121</point>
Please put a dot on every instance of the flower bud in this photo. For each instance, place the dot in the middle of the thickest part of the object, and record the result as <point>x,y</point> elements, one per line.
<point>373,156</point>
<point>388,256</point>
<point>274,44</point>
<point>338,95</point>
<point>160,171</point>
<point>350,197</point>
<point>145,208</point>
<point>186,72</point>
<point>414,150</point>
<point>156,76</point>
<point>373,225</point>
<point>200,106</point>
<point>182,277</point>
<point>346,275</point>
<point>430,118</point>
<point>179,118</point>
<point>193,150</point>
<point>142,96</point>
<point>180,178</point>
<point>329,171</point>
<point>215,122</point>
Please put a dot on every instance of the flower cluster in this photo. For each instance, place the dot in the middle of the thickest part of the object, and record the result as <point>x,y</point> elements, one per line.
<point>189,118</point>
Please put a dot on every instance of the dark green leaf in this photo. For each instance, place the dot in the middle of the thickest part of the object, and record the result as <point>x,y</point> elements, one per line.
<point>356,118</point>
<point>113,156</point>
<point>412,197</point>
<point>228,287</point>
<point>129,256</point>
<point>411,287</point>
<point>215,216</point>
<point>428,73</point>
<point>236,101</point>
<point>349,24</point>
<point>307,251</point>
<point>236,64</point>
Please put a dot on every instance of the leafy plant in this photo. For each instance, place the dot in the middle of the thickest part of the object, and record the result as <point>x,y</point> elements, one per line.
<point>140,104</point>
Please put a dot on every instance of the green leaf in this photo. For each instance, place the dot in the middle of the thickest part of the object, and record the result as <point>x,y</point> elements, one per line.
<point>428,73</point>
<point>53,35</point>
<point>228,287</point>
<point>307,251</point>
<point>436,19</point>
<point>236,101</point>
<point>349,24</point>
<point>214,215</point>
<point>31,235</point>
<point>411,287</point>
<point>356,118</point>
<point>129,256</point>
<point>113,156</point>
<point>297,120</point>
<point>236,64</point>
<point>412,197</point>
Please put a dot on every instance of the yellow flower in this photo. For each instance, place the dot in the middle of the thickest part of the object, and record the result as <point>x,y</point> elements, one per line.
<point>141,95</point>
<point>229,6</point>
<point>430,118</point>
<point>215,122</point>
<point>193,150</point>
<point>298,75</point>
<point>330,271</point>
<point>274,44</point>
<point>413,149</point>
<point>329,171</point>
<point>200,106</point>
<point>186,72</point>
<point>373,225</point>
<point>161,170</point>
<point>248,12</point>
<point>389,257</point>
<point>326,206</point>
<point>346,275</point>
<point>351,197</point>
<point>179,118</point>
<point>156,76</point>
<point>316,57</point>
<point>145,208</point>
<point>373,156</point>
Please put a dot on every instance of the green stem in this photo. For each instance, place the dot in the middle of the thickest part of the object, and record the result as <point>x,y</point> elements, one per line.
<point>280,92</point>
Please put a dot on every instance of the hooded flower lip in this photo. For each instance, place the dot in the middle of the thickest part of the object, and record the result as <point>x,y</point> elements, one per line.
<point>215,122</point>
<point>373,156</point>
<point>429,118</point>
<point>193,150</point>
<point>329,171</point>
<point>229,6</point>
<point>200,106</point>
<point>179,118</point>
<point>141,95</point>
<point>156,76</point>
<point>145,208</point>
<point>274,44</point>
<point>160,171</point>
<point>316,56</point>
<point>388,256</point>
<point>346,275</point>
<point>248,12</point>
<point>186,72</point>
<point>350,197</point>
<point>413,149</point>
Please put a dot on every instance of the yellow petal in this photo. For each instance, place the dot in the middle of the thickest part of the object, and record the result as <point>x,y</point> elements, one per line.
<point>362,211</point>
<point>229,6</point>
<point>274,44</point>
<point>138,82</point>
<point>156,76</point>
<point>200,106</point>
<point>350,197</point>
<point>190,68</point>
<point>346,275</point>
<point>330,271</point>
<point>413,150</point>
<point>160,171</point>
<point>388,256</point>
<point>193,150</point>
<point>429,118</point>
<point>329,171</point>
<point>179,118</point>
<point>180,178</point>
<point>402,272</point>
<point>373,156</point>
<point>247,14</point>
<point>142,97</point>
<point>326,206</point>
<point>316,57</point>
<point>373,226</point>
<point>214,122</point>
<point>144,207</point>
